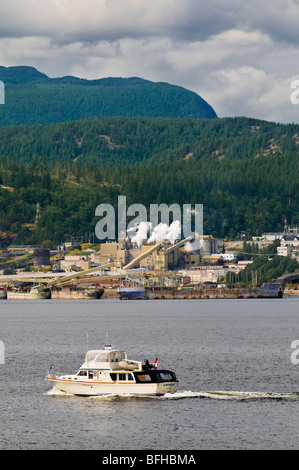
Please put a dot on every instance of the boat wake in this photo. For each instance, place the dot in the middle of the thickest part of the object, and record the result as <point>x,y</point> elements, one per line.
<point>183,394</point>
<point>231,395</point>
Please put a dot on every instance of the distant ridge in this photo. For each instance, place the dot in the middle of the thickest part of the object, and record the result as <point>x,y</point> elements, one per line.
<point>31,97</point>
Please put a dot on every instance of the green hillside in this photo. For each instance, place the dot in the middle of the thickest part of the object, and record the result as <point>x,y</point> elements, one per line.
<point>114,141</point>
<point>33,98</point>
<point>244,171</point>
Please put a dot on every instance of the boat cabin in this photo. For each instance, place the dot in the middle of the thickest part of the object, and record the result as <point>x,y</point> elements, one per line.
<point>108,359</point>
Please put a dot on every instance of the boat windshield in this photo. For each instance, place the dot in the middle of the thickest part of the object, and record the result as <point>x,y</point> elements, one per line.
<point>117,356</point>
<point>167,376</point>
<point>97,356</point>
<point>102,357</point>
<point>105,356</point>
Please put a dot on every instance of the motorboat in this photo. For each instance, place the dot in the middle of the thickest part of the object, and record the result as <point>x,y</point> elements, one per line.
<point>109,371</point>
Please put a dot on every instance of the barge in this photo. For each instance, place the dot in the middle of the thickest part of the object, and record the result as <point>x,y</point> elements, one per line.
<point>265,291</point>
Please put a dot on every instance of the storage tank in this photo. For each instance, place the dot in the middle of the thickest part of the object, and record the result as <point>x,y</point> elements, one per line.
<point>41,257</point>
<point>208,246</point>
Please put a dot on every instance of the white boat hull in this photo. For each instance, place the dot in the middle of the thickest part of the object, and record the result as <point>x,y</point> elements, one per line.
<point>94,388</point>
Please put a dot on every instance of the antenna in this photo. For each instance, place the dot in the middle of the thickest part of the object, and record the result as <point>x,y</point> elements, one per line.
<point>107,345</point>
<point>87,347</point>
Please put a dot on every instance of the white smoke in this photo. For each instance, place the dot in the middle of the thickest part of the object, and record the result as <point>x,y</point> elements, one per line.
<point>194,245</point>
<point>164,232</point>
<point>160,233</point>
<point>188,246</point>
<point>139,232</point>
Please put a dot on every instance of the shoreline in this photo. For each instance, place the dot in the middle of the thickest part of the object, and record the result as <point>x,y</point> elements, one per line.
<point>171,294</point>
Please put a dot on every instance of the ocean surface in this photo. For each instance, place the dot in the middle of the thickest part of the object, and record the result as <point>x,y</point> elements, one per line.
<point>238,388</point>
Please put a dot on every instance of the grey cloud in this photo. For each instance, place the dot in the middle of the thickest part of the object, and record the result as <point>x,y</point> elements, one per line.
<point>64,21</point>
<point>239,56</point>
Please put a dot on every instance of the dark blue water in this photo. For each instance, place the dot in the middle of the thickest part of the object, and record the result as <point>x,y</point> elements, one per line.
<point>232,359</point>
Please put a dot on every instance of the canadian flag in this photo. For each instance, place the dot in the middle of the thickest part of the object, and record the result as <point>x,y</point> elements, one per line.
<point>156,363</point>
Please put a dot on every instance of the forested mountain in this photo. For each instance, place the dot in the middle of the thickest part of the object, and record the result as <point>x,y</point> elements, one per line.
<point>119,140</point>
<point>244,171</point>
<point>31,97</point>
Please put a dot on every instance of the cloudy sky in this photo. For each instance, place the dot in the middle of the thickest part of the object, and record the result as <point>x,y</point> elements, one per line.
<point>240,56</point>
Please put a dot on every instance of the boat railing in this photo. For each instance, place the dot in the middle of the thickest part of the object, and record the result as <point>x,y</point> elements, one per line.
<point>53,372</point>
